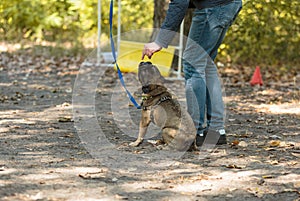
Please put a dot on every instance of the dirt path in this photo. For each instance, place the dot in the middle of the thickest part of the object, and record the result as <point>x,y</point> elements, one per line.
<point>43,156</point>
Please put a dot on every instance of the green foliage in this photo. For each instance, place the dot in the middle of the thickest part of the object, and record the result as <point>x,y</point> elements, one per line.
<point>265,32</point>
<point>38,19</point>
<point>67,20</point>
<point>136,14</point>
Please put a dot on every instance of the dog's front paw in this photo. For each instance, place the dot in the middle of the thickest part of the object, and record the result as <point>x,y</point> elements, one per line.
<point>135,143</point>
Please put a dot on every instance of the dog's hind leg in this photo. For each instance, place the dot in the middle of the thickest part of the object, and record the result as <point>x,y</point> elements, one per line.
<point>177,141</point>
<point>168,135</point>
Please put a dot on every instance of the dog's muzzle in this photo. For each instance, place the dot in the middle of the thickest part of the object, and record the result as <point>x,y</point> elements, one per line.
<point>145,63</point>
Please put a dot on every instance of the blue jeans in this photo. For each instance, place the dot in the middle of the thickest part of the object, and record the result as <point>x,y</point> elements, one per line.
<point>203,87</point>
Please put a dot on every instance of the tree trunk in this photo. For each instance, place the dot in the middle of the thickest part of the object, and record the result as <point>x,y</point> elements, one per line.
<point>188,21</point>
<point>160,8</point>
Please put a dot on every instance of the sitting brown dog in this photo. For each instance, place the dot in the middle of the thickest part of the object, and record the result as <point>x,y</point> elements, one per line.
<point>158,106</point>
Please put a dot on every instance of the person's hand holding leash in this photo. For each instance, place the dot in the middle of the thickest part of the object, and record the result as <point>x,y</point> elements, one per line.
<point>150,49</point>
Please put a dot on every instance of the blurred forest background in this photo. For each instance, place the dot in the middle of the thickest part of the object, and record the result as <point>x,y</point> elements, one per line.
<point>265,33</point>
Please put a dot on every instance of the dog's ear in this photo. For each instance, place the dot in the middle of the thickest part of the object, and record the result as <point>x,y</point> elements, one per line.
<point>143,63</point>
<point>160,78</point>
<point>141,73</point>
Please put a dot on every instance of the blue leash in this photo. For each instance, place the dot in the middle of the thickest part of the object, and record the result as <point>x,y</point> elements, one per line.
<point>131,98</point>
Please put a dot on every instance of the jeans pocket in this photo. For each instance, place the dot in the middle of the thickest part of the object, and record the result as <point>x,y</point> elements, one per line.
<point>200,15</point>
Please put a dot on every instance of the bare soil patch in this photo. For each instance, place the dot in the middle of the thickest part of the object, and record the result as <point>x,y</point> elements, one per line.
<point>42,157</point>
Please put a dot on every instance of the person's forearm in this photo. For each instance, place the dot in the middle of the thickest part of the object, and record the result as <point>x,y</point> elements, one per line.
<point>171,24</point>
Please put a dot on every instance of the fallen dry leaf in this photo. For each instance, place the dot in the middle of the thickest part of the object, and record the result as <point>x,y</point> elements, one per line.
<point>297,184</point>
<point>235,142</point>
<point>121,197</point>
<point>274,143</point>
<point>273,162</point>
<point>267,176</point>
<point>270,149</point>
<point>292,163</point>
<point>156,187</point>
<point>92,175</point>
<point>69,135</point>
<point>256,192</point>
<point>296,154</point>
<point>243,144</point>
<point>232,166</point>
<point>65,119</point>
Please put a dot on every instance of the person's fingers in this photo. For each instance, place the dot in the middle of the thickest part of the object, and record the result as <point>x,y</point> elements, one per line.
<point>150,49</point>
<point>146,52</point>
<point>143,54</point>
<point>150,53</point>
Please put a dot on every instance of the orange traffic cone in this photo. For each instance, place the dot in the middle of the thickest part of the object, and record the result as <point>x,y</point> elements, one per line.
<point>256,78</point>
